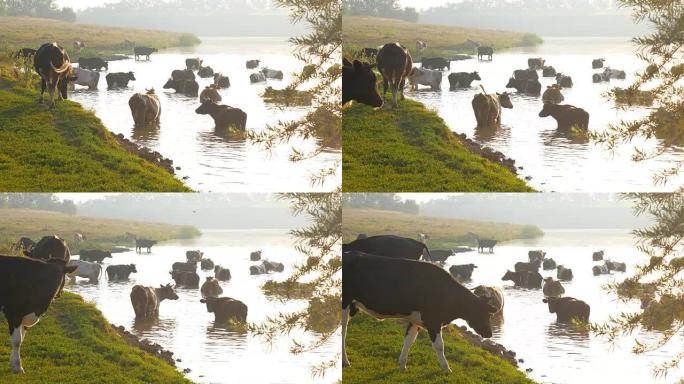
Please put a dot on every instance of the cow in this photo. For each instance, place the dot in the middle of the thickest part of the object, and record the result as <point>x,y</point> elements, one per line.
<point>600,270</point>
<point>119,79</point>
<point>205,72</point>
<point>145,108</point>
<point>224,116</point>
<point>553,94</point>
<point>440,255</point>
<point>272,266</point>
<point>86,269</point>
<point>24,244</point>
<point>190,266</point>
<point>120,272</point>
<point>614,74</point>
<point>182,74</point>
<point>597,256</point>
<point>272,74</point>
<point>532,266</point>
<point>549,264</point>
<point>186,87</point>
<point>194,256</point>
<point>462,272</point>
<point>395,64</point>
<point>439,63</point>
<point>537,255</point>
<point>425,77</point>
<point>193,64</point>
<point>86,78</point>
<point>535,63</point>
<point>93,63</point>
<point>563,81</point>
<point>257,270</point>
<point>390,246</point>
<point>211,288</point>
<point>549,71</point>
<point>525,279</point>
<point>462,79</point>
<point>567,116</point>
<point>552,288</point>
<point>221,81</point>
<point>530,87</point>
<point>144,243</point>
<point>563,273</point>
<point>525,74</point>
<point>615,266</point>
<point>206,264</point>
<point>360,83</point>
<point>186,279</point>
<point>27,288</point>
<point>488,244</point>
<point>49,247</point>
<point>78,45</point>
<point>257,77</point>
<point>568,308</point>
<point>487,108</point>
<point>397,288</point>
<point>94,255</point>
<point>255,255</point>
<point>222,274</point>
<point>146,300</point>
<point>143,51</point>
<point>251,64</point>
<point>494,297</point>
<point>226,308</point>
<point>52,64</point>
<point>597,63</point>
<point>210,93</point>
<point>420,45</point>
<point>485,51</point>
<point>25,53</point>
<point>599,78</point>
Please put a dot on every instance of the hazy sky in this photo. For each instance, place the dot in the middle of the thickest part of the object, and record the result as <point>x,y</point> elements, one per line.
<point>423,4</point>
<point>80,4</point>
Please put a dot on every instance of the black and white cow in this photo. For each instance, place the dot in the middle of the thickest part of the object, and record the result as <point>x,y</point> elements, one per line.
<point>390,246</point>
<point>397,288</point>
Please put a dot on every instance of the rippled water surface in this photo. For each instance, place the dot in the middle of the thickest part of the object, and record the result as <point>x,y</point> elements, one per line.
<point>559,353</point>
<point>214,354</point>
<point>210,159</point>
<point>554,162</point>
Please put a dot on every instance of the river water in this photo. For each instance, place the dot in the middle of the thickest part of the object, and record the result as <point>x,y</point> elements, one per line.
<point>213,353</point>
<point>557,163</point>
<point>211,160</point>
<point>559,353</point>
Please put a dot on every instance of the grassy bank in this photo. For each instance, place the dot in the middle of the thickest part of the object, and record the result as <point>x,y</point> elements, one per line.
<point>101,233</point>
<point>102,41</point>
<point>73,343</point>
<point>410,149</point>
<point>444,233</point>
<point>373,348</point>
<point>443,41</point>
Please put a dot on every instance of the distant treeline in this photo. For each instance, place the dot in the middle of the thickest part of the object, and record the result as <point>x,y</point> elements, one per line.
<point>36,8</point>
<point>389,9</point>
<point>41,201</point>
<point>383,201</point>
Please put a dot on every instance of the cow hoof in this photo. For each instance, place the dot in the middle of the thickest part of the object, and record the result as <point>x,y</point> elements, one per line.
<point>18,370</point>
<point>345,364</point>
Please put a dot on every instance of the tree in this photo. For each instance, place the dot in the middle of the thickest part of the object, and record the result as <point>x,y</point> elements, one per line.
<point>662,53</point>
<point>318,278</point>
<point>657,283</point>
<point>320,49</point>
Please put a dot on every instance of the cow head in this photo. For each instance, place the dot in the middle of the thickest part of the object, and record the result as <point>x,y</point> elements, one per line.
<point>171,83</point>
<point>360,83</point>
<point>166,292</point>
<point>210,302</point>
<point>479,314</point>
<point>512,83</point>
<point>505,100</point>
<point>131,268</point>
<point>131,76</point>
<point>207,107</point>
<point>553,303</point>
<point>509,276</point>
<point>476,76</point>
<point>546,111</point>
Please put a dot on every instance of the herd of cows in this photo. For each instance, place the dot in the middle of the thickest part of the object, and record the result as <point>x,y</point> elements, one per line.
<point>56,71</point>
<point>395,64</point>
<point>28,285</point>
<point>385,277</point>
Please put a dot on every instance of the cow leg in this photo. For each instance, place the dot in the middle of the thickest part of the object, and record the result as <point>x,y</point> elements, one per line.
<point>42,88</point>
<point>409,339</point>
<point>51,93</point>
<point>438,346</point>
<point>394,89</point>
<point>15,357</point>
<point>345,320</point>
<point>402,84</point>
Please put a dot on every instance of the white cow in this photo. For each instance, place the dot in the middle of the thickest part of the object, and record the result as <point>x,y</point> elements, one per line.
<point>420,76</point>
<point>86,270</point>
<point>86,77</point>
<point>272,74</point>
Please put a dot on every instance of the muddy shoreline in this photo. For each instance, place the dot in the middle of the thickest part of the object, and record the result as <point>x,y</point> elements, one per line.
<point>488,153</point>
<point>141,151</point>
<point>153,349</point>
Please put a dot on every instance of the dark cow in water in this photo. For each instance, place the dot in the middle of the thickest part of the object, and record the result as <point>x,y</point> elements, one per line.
<point>597,256</point>
<point>552,288</point>
<point>524,279</point>
<point>211,288</point>
<point>485,51</point>
<point>193,64</point>
<point>225,308</point>
<point>563,273</point>
<point>360,83</point>
<point>563,81</point>
<point>221,81</point>
<point>190,266</point>
<point>205,72</point>
<point>221,274</point>
<point>395,64</point>
<point>600,270</point>
<point>462,272</point>
<point>535,63</point>
<point>255,255</point>
<point>568,308</point>
<point>50,247</point>
<point>186,87</point>
<point>194,256</point>
<point>488,244</point>
<point>440,255</point>
<point>597,63</point>
<point>120,272</point>
<point>119,79</point>
<point>390,246</point>
<point>398,288</point>
<point>567,116</point>
<point>615,266</point>
<point>146,300</point>
<point>94,63</point>
<point>536,255</point>
<point>462,79</point>
<point>553,94</point>
<point>186,279</point>
<point>182,74</point>
<point>530,87</point>
<point>27,288</point>
<point>439,63</point>
<point>143,51</point>
<point>549,71</point>
<point>251,64</point>
<point>487,108</point>
<point>94,255</point>
<point>549,264</point>
<point>525,74</point>
<point>144,243</point>
<point>52,63</point>
<point>224,116</point>
<point>207,264</point>
<point>532,266</point>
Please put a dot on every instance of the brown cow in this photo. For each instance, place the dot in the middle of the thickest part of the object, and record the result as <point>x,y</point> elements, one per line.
<point>553,94</point>
<point>146,300</point>
<point>395,64</point>
<point>224,116</point>
<point>211,288</point>
<point>210,93</point>
<point>567,116</point>
<point>52,63</point>
<point>487,108</point>
<point>145,108</point>
<point>225,308</point>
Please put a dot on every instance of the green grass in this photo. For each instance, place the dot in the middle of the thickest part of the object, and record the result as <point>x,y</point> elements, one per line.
<point>74,344</point>
<point>67,149</point>
<point>373,348</point>
<point>443,41</point>
<point>444,232</point>
<point>101,41</point>
<point>410,149</point>
<point>101,233</point>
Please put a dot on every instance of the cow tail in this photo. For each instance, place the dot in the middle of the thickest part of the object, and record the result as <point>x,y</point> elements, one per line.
<point>483,90</point>
<point>65,67</point>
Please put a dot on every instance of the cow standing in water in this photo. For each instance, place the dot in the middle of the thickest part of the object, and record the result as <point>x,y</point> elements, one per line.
<point>52,63</point>
<point>143,243</point>
<point>395,64</point>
